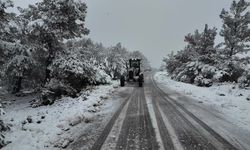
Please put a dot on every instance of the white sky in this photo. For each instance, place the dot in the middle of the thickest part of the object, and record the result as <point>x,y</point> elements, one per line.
<point>154,27</point>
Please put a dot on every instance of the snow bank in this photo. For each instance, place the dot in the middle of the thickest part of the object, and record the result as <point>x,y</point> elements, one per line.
<point>48,124</point>
<point>227,98</point>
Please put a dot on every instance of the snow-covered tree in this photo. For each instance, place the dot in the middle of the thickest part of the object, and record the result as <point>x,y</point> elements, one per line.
<point>194,64</point>
<point>75,67</point>
<point>93,52</point>
<point>17,68</point>
<point>5,18</point>
<point>72,71</point>
<point>116,59</point>
<point>235,29</point>
<point>201,45</point>
<point>51,21</point>
<point>171,63</point>
<point>40,48</point>
<point>14,55</point>
<point>4,38</point>
<point>4,28</point>
<point>17,64</point>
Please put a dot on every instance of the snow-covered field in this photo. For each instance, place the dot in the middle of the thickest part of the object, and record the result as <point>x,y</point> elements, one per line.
<point>227,98</point>
<point>48,127</point>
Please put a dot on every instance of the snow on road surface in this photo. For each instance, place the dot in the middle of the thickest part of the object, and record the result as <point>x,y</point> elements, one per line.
<point>227,98</point>
<point>56,125</point>
<point>71,120</point>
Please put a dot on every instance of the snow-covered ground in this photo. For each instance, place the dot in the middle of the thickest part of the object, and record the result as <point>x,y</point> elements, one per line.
<point>56,125</point>
<point>227,98</point>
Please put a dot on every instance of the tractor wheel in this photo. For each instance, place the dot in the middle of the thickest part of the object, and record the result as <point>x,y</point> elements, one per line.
<point>140,83</point>
<point>140,80</point>
<point>122,81</point>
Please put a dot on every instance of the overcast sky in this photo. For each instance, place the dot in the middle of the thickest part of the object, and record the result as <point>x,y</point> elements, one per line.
<point>154,27</point>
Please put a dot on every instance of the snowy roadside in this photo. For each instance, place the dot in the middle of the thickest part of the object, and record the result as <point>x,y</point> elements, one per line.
<point>227,98</point>
<point>52,127</point>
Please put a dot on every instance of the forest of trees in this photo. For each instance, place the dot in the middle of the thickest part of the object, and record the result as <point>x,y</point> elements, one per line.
<point>39,47</point>
<point>202,62</point>
<point>44,48</point>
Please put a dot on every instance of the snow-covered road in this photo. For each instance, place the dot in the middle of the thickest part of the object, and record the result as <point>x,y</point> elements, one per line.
<point>155,117</point>
<point>226,99</point>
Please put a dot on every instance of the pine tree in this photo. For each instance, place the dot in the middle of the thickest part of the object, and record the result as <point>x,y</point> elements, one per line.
<point>207,41</point>
<point>235,29</point>
<point>201,45</point>
<point>194,64</point>
<point>51,21</point>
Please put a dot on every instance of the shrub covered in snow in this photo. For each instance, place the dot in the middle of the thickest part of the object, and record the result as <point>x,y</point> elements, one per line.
<point>54,90</point>
<point>202,63</point>
<point>69,75</point>
<point>202,74</point>
<point>72,70</point>
<point>101,77</point>
<point>244,80</point>
<point>3,128</point>
<point>195,72</point>
<point>230,70</point>
<point>201,81</point>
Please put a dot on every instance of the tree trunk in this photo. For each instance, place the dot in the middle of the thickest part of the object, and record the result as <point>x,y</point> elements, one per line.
<point>49,60</point>
<point>47,71</point>
<point>231,51</point>
<point>18,85</point>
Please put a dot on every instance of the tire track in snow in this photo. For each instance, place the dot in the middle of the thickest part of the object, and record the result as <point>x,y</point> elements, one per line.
<point>111,140</point>
<point>137,130</point>
<point>101,139</point>
<point>162,135</point>
<point>218,137</point>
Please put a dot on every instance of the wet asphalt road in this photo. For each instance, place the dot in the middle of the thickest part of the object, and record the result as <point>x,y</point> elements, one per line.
<point>150,119</point>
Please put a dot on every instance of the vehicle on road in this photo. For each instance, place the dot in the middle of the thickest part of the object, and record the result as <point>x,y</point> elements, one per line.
<point>133,73</point>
